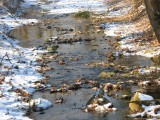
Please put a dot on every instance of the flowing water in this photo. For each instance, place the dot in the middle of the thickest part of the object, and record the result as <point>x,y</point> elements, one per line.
<point>92,48</point>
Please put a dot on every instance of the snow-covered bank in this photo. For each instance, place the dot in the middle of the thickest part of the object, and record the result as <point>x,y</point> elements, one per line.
<point>19,64</point>
<point>17,70</point>
<point>136,38</point>
<point>128,31</point>
<point>133,40</point>
<point>71,6</point>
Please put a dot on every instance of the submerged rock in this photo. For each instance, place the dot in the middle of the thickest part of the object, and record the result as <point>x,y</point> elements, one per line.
<point>144,83</point>
<point>99,102</point>
<point>61,62</point>
<point>125,97</point>
<point>109,86</point>
<point>49,27</point>
<point>156,59</point>
<point>106,75</point>
<point>66,88</point>
<point>59,100</point>
<point>39,104</point>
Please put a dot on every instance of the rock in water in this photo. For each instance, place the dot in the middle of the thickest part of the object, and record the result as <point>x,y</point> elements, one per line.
<point>99,102</point>
<point>139,97</point>
<point>39,104</point>
<point>136,107</point>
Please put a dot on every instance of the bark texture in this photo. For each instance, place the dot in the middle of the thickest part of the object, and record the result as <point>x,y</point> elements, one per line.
<point>153,10</point>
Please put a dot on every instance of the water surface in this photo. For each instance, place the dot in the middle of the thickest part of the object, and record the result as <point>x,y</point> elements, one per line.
<point>91,51</point>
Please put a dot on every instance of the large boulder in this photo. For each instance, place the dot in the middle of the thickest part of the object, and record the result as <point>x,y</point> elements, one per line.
<point>137,100</point>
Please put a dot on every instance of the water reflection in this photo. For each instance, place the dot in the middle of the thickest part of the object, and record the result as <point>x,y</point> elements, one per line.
<point>74,70</point>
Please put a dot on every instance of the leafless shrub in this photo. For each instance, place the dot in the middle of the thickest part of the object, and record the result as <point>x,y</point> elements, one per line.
<point>12,5</point>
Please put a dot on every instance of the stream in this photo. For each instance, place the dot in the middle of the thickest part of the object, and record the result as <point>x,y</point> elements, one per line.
<point>90,47</point>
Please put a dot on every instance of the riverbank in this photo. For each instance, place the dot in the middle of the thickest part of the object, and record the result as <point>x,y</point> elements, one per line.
<point>83,59</point>
<point>18,69</point>
<point>132,30</point>
<point>19,74</point>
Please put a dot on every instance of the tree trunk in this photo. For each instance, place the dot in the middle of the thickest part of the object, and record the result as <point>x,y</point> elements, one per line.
<point>153,10</point>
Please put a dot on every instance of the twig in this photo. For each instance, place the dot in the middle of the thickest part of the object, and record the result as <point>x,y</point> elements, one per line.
<point>6,55</point>
<point>90,5</point>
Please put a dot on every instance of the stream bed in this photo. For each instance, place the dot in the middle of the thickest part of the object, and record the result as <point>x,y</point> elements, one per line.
<point>90,46</point>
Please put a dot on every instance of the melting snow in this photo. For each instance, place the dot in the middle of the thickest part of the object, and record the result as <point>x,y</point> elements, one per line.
<point>72,6</point>
<point>144,96</point>
<point>127,31</point>
<point>40,104</point>
<point>19,68</point>
<point>149,110</point>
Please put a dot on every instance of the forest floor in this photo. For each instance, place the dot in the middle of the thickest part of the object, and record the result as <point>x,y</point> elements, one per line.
<point>133,29</point>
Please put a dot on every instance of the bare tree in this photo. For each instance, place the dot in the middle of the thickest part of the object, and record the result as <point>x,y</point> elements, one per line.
<point>153,10</point>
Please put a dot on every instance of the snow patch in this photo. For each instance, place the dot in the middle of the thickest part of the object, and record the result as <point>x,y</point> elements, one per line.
<point>72,6</point>
<point>40,104</point>
<point>144,96</point>
<point>18,70</point>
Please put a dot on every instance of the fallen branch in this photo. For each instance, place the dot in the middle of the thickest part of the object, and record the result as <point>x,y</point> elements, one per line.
<point>6,55</point>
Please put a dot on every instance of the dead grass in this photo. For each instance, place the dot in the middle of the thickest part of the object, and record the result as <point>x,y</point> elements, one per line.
<point>134,11</point>
<point>136,15</point>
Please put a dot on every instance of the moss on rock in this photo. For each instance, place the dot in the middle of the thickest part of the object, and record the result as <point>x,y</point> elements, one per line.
<point>156,59</point>
<point>136,107</point>
<point>106,75</point>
